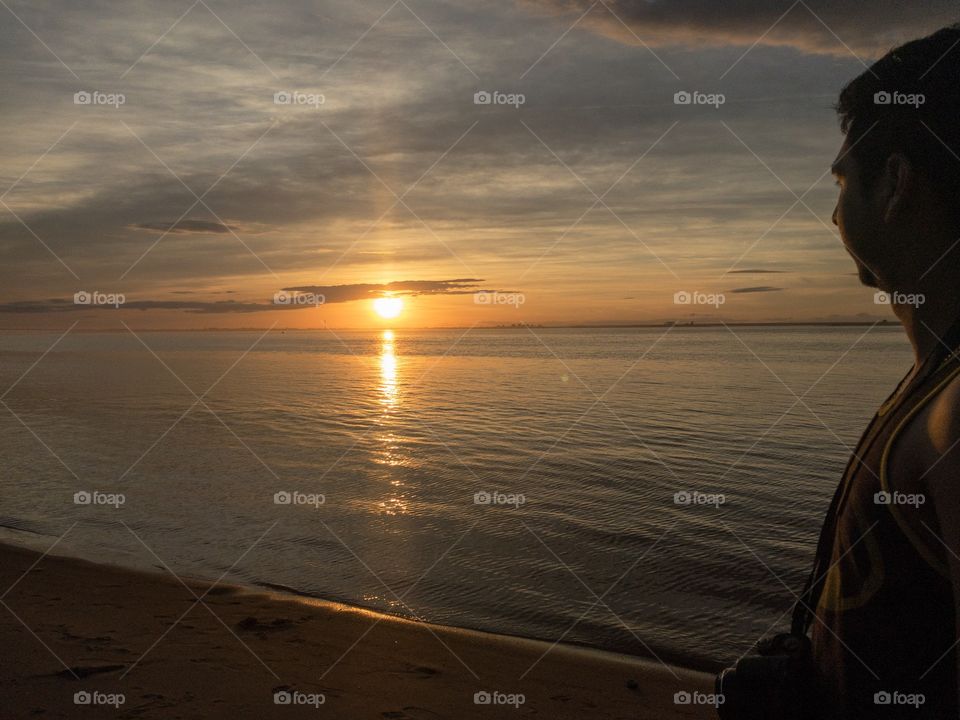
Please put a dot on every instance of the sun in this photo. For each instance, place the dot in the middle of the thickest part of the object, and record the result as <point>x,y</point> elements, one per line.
<point>388,307</point>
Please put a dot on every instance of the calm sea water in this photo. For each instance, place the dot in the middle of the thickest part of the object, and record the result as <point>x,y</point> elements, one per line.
<point>583,438</point>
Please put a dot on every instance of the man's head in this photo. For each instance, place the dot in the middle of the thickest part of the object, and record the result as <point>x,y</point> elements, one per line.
<point>899,167</point>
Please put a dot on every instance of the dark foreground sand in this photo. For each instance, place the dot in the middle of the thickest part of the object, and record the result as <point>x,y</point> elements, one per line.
<point>69,627</point>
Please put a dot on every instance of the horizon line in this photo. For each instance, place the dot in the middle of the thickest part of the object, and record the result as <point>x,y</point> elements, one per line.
<point>677,324</point>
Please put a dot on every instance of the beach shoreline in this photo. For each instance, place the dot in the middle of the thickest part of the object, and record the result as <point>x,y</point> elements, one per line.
<point>74,626</point>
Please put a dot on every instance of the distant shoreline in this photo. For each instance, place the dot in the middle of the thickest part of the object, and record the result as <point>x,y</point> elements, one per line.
<point>675,324</point>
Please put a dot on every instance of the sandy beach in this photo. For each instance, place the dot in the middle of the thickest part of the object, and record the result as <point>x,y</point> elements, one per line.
<point>89,640</point>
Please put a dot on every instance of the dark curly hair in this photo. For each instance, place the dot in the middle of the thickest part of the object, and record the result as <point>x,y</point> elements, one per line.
<point>881,113</point>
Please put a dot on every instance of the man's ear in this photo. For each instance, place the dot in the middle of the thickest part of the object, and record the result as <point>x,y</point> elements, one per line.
<point>898,182</point>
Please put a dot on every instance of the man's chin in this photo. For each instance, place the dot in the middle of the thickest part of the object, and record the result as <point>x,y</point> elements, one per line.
<point>867,278</point>
<point>865,275</point>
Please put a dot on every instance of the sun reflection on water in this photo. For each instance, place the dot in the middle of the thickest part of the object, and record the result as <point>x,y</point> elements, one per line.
<point>388,370</point>
<point>394,503</point>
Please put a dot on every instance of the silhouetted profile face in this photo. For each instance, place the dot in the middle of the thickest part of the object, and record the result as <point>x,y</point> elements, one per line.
<point>858,215</point>
<point>898,171</point>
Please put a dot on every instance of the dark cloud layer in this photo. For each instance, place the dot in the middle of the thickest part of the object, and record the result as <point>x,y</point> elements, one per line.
<point>187,226</point>
<point>757,289</point>
<point>328,294</point>
<point>831,27</point>
<point>60,305</point>
<point>365,291</point>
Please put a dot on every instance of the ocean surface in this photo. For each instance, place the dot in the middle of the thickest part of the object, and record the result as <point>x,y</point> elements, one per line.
<point>652,491</point>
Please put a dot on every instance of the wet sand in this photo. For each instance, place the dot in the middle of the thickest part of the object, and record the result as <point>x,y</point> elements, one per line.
<point>74,631</point>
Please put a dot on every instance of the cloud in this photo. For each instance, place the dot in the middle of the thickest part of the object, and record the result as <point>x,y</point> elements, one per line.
<point>755,271</point>
<point>818,27</point>
<point>59,305</point>
<point>187,226</point>
<point>758,289</point>
<point>308,198</point>
<point>208,292</point>
<point>496,195</point>
<point>330,293</point>
<point>365,291</point>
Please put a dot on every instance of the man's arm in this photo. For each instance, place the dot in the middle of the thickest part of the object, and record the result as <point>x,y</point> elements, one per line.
<point>929,454</point>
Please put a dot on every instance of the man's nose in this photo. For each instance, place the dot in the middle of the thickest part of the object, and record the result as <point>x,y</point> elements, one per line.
<point>834,218</point>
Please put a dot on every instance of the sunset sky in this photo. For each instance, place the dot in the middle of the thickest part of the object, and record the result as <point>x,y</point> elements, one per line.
<point>199,197</point>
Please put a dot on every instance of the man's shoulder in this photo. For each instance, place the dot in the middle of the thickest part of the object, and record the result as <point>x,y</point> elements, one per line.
<point>927,449</point>
<point>943,416</point>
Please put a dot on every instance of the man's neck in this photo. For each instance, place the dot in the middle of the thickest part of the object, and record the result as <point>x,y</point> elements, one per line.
<point>927,321</point>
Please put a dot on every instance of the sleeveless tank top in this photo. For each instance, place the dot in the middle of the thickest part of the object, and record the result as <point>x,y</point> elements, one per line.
<point>884,626</point>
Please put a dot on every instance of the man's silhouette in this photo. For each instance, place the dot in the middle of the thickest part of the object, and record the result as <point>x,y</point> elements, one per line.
<point>884,630</point>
